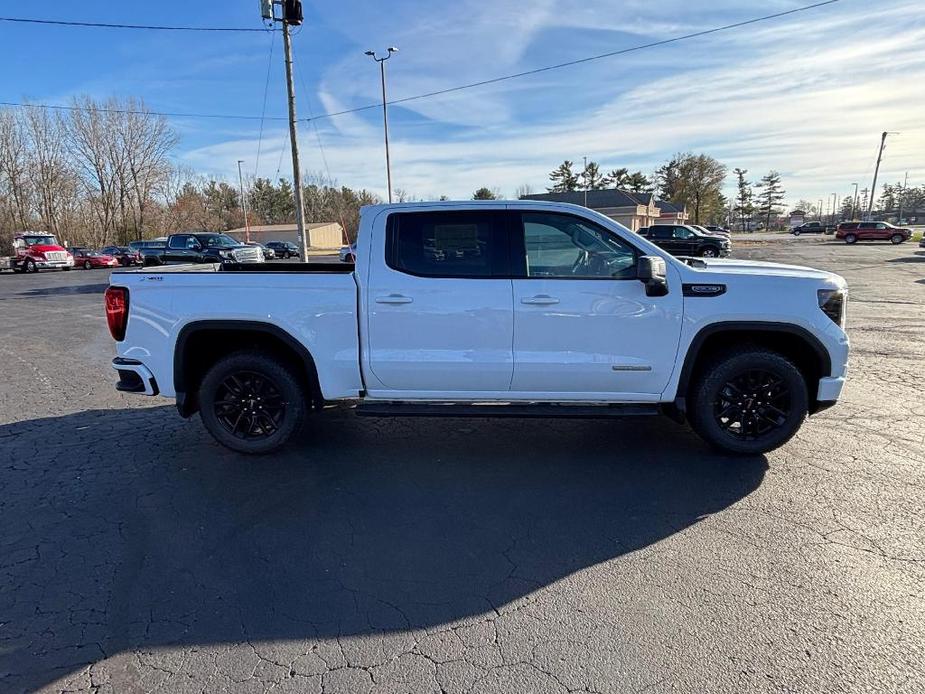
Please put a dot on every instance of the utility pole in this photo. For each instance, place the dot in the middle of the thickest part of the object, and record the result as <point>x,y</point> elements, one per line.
<point>291,14</point>
<point>385,112</point>
<point>902,199</point>
<point>854,202</point>
<point>247,229</point>
<point>834,206</point>
<point>819,210</point>
<point>873,187</point>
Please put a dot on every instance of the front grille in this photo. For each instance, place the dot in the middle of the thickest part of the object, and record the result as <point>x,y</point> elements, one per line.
<point>55,255</point>
<point>248,255</point>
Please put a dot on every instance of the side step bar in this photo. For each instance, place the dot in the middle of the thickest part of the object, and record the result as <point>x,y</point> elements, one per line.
<point>519,410</point>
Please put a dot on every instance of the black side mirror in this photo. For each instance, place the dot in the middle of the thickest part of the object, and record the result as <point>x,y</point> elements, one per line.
<point>652,271</point>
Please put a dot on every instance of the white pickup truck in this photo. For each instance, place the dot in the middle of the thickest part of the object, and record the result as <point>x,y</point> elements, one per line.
<point>487,309</point>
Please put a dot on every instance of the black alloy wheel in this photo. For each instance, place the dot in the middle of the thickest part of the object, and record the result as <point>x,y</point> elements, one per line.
<point>709,253</point>
<point>249,405</point>
<point>752,404</point>
<point>252,401</point>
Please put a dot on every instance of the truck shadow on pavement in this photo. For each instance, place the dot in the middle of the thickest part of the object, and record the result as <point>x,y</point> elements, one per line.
<point>66,290</point>
<point>130,529</point>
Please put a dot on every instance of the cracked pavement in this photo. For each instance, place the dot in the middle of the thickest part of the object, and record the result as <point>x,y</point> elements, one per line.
<point>377,555</point>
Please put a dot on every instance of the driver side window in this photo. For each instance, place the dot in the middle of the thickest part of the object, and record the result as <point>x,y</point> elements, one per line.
<point>560,246</point>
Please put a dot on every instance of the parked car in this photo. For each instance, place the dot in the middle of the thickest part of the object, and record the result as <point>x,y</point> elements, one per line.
<point>268,253</point>
<point>154,249</point>
<point>852,232</point>
<point>812,228</point>
<point>348,254</point>
<point>148,243</point>
<point>202,247</point>
<point>89,259</point>
<point>682,240</point>
<point>124,254</point>
<point>713,227</point>
<point>284,249</point>
<point>508,309</point>
<point>36,250</point>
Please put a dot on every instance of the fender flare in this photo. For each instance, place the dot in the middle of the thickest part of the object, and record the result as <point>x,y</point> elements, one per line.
<point>185,405</point>
<point>696,344</point>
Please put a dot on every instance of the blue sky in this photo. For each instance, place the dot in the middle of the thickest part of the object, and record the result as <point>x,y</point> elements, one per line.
<point>807,94</point>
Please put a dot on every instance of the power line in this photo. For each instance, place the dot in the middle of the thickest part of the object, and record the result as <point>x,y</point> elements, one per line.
<point>579,61</point>
<point>266,91</point>
<point>103,25</point>
<point>448,90</point>
<point>170,114</point>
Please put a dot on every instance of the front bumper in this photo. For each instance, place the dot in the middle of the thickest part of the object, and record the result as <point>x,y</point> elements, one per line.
<point>134,377</point>
<point>53,264</point>
<point>830,388</point>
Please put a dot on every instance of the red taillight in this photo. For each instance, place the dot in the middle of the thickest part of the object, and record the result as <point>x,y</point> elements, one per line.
<point>116,300</point>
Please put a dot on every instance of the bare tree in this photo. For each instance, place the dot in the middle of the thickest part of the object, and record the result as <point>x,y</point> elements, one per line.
<point>14,169</point>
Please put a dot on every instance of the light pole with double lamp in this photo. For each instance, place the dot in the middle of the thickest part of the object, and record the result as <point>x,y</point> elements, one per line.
<point>385,114</point>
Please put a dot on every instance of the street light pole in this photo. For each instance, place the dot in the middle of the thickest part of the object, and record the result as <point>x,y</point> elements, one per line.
<point>385,112</point>
<point>854,202</point>
<point>247,229</point>
<point>834,206</point>
<point>585,160</point>
<point>902,196</point>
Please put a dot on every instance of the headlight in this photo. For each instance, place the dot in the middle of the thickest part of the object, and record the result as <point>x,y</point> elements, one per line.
<point>226,254</point>
<point>833,303</point>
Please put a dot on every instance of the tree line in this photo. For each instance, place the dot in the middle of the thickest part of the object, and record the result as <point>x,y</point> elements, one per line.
<point>101,173</point>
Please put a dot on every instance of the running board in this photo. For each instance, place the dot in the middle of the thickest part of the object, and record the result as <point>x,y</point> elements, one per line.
<point>520,410</point>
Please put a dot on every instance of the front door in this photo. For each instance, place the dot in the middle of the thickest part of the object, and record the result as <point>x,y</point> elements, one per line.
<point>439,309</point>
<point>582,321</point>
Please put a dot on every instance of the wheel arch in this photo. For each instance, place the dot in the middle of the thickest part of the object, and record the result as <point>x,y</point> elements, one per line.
<point>201,343</point>
<point>793,341</point>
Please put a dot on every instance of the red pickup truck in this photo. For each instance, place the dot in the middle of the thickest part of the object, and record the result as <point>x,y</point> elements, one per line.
<point>852,232</point>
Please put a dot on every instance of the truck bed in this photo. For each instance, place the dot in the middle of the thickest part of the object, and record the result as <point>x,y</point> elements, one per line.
<point>311,268</point>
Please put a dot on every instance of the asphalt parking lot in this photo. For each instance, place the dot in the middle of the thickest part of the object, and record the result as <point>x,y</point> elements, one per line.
<point>136,555</point>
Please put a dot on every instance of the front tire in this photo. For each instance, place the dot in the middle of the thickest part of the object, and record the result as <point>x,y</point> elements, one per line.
<point>251,402</point>
<point>709,253</point>
<point>896,239</point>
<point>748,401</point>
<point>796,232</point>
<point>851,238</point>
<point>88,265</point>
<point>30,266</point>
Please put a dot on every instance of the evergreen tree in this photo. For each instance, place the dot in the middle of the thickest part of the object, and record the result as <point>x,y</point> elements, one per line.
<point>770,197</point>
<point>564,179</point>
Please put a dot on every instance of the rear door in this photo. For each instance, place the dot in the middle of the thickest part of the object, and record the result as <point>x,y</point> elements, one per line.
<point>180,249</point>
<point>685,241</point>
<point>439,316</point>
<point>583,324</point>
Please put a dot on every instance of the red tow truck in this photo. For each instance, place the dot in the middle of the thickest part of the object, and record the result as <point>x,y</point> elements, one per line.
<point>37,250</point>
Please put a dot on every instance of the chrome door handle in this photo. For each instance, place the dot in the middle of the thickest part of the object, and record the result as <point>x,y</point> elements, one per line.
<point>394,299</point>
<point>540,300</point>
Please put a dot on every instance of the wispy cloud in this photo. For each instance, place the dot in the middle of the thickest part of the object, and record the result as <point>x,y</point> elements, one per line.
<point>807,96</point>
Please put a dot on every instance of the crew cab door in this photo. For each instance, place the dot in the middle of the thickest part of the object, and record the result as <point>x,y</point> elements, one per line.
<point>583,324</point>
<point>438,304</point>
<point>181,248</point>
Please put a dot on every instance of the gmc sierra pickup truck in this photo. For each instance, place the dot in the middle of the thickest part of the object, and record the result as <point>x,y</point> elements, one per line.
<point>486,309</point>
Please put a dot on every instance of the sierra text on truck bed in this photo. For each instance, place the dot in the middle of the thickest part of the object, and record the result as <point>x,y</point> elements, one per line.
<point>492,308</point>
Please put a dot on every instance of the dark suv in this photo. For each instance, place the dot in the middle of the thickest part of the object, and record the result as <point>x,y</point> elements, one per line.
<point>851,232</point>
<point>284,249</point>
<point>679,239</point>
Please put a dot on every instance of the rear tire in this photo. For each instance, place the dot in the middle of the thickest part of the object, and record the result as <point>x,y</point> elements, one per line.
<point>896,239</point>
<point>88,265</point>
<point>748,401</point>
<point>251,402</point>
<point>851,238</point>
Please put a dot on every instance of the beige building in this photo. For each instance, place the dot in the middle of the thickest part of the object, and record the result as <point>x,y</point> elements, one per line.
<point>632,210</point>
<point>321,235</point>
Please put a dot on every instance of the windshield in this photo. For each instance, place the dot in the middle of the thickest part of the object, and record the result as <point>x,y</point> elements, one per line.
<point>40,240</point>
<point>217,241</point>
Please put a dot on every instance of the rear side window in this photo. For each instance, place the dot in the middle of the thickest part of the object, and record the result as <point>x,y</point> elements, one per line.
<point>660,232</point>
<point>447,244</point>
